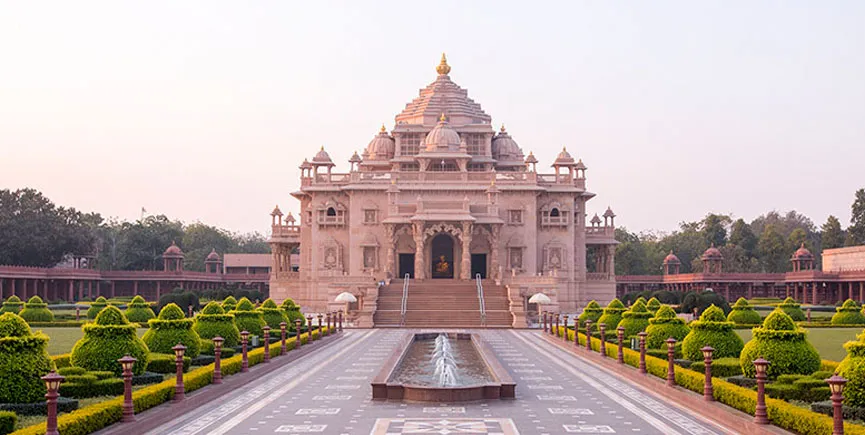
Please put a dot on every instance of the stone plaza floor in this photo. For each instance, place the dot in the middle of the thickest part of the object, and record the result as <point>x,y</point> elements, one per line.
<point>328,392</point>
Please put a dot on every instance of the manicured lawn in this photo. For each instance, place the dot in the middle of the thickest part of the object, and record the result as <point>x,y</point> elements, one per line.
<point>62,339</point>
<point>828,341</point>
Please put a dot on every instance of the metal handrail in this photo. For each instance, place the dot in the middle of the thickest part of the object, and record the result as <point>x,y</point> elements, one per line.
<point>481,299</point>
<point>404,299</point>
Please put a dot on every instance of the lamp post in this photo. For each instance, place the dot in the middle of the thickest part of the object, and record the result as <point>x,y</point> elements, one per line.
<point>282,349</point>
<point>544,321</point>
<point>52,382</point>
<point>179,349</point>
<point>671,368</point>
<point>589,335</point>
<point>620,334</point>
<point>244,340</point>
<point>836,385</point>
<point>760,416</point>
<point>565,322</point>
<point>642,336</point>
<point>297,340</point>
<point>576,332</point>
<point>266,330</point>
<point>327,322</point>
<point>217,363</point>
<point>77,313</point>
<point>556,331</point>
<point>708,393</point>
<point>320,331</point>
<point>309,329</point>
<point>603,348</point>
<point>127,362</point>
<point>340,321</point>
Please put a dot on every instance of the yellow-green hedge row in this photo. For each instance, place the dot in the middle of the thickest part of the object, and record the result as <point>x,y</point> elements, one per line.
<point>782,414</point>
<point>100,415</point>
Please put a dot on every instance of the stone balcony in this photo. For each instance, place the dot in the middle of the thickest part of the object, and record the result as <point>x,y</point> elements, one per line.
<point>484,178</point>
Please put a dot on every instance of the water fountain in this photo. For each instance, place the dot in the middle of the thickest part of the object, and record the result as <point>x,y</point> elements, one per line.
<point>442,367</point>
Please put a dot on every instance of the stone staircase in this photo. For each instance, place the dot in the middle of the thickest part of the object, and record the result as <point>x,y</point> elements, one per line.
<point>443,304</point>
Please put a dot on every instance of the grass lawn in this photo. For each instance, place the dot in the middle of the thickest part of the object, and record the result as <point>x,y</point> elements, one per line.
<point>828,341</point>
<point>62,339</point>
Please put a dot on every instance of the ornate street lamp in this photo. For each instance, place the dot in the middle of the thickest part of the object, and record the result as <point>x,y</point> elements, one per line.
<point>244,341</point>
<point>52,382</point>
<point>708,393</point>
<point>266,330</point>
<point>642,335</point>
<point>760,416</point>
<point>565,322</point>
<point>282,326</point>
<point>327,317</point>
<point>576,332</point>
<point>671,368</point>
<point>620,334</point>
<point>309,329</point>
<point>126,363</point>
<point>589,335</point>
<point>836,386</point>
<point>320,331</point>
<point>544,321</point>
<point>340,321</point>
<point>297,340</point>
<point>556,330</point>
<point>217,363</point>
<point>603,349</point>
<point>179,350</point>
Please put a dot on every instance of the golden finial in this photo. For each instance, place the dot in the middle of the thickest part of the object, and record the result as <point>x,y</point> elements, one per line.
<point>322,147</point>
<point>503,128</point>
<point>383,130</point>
<point>443,68</point>
<point>443,118</point>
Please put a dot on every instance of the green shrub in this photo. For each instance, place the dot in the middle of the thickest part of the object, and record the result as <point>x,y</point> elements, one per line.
<point>105,387</point>
<point>247,318</point>
<point>848,314</point>
<point>272,314</point>
<point>71,371</point>
<point>12,305</point>
<point>714,330</point>
<point>702,301</point>
<point>789,379</point>
<point>721,367</point>
<point>593,312</point>
<point>783,344</point>
<point>35,310</point>
<point>108,339</point>
<point>23,360</point>
<point>809,383</point>
<point>852,368</point>
<point>139,310</point>
<point>822,374</point>
<point>229,304</point>
<point>641,300</point>
<point>743,314</point>
<point>182,299</point>
<point>170,328</point>
<point>612,314</point>
<point>8,420</point>
<point>664,325</point>
<point>212,321</point>
<point>79,379</point>
<point>636,319</point>
<point>166,363</point>
<point>292,311</point>
<point>96,307</point>
<point>792,308</point>
<point>653,305</point>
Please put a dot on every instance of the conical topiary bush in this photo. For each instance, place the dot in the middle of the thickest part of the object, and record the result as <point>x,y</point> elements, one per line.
<point>783,344</point>
<point>272,314</point>
<point>664,325</point>
<point>792,308</point>
<point>229,304</point>
<point>636,319</point>
<point>653,305</point>
<point>641,300</point>
<point>168,329</point>
<point>12,305</point>
<point>213,321</point>
<point>743,314</point>
<point>714,330</point>
<point>96,307</point>
<point>108,339</point>
<point>850,313</point>
<point>36,311</point>
<point>23,360</point>
<point>292,311</point>
<point>593,312</point>
<point>139,310</point>
<point>612,314</point>
<point>247,318</point>
<point>852,368</point>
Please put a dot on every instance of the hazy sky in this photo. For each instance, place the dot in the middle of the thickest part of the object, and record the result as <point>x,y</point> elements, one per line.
<point>204,110</point>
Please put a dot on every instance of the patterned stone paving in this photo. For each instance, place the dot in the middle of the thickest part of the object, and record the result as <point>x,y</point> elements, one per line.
<point>328,392</point>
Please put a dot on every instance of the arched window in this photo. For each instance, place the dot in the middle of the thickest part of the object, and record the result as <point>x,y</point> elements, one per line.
<point>554,212</point>
<point>331,211</point>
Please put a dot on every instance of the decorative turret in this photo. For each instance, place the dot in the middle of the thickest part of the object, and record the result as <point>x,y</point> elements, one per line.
<point>609,216</point>
<point>212,264</point>
<point>596,221</point>
<point>671,264</point>
<point>172,258</point>
<point>276,215</point>
<point>354,160</point>
<point>532,160</point>
<point>564,160</point>
<point>380,149</point>
<point>506,151</point>
<point>442,138</point>
<point>712,260</point>
<point>802,259</point>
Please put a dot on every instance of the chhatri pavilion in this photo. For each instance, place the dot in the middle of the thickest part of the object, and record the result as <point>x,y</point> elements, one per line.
<point>445,199</point>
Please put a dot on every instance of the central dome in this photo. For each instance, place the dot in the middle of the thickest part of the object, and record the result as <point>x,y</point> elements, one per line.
<point>442,138</point>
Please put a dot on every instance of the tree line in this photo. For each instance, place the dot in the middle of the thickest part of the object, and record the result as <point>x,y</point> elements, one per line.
<point>763,245</point>
<point>36,232</point>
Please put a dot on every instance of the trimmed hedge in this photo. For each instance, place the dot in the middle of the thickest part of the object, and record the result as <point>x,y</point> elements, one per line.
<point>783,344</point>
<point>62,360</point>
<point>653,305</point>
<point>272,314</point>
<point>170,328</point>
<point>23,360</point>
<point>593,312</point>
<point>35,310</point>
<point>743,314</point>
<point>12,305</point>
<point>166,363</point>
<point>139,311</point>
<point>212,321</point>
<point>714,330</point>
<point>721,367</point>
<point>96,388</point>
<point>8,420</point>
<point>107,340</point>
<point>229,304</point>
<point>58,324</point>
<point>612,314</point>
<point>636,319</point>
<point>848,314</point>
<point>292,311</point>
<point>96,307</point>
<point>852,368</point>
<point>247,318</point>
<point>792,308</point>
<point>664,325</point>
<point>72,371</point>
<point>64,404</point>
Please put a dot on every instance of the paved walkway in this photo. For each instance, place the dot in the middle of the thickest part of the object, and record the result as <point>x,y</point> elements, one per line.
<point>328,392</point>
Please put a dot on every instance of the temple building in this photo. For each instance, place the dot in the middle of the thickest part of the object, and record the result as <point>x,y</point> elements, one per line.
<point>443,199</point>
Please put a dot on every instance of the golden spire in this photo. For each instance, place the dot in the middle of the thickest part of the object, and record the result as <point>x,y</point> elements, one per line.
<point>443,68</point>
<point>503,128</point>
<point>383,130</point>
<point>443,118</point>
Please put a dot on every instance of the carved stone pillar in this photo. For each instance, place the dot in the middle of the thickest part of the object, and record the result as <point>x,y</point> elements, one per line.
<point>419,268</point>
<point>466,265</point>
<point>389,267</point>
<point>494,251</point>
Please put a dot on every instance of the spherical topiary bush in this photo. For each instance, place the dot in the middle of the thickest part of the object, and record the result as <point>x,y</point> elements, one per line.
<point>36,311</point>
<point>12,305</point>
<point>292,311</point>
<point>636,319</point>
<point>96,307</point>
<point>108,339</point>
<point>783,344</point>
<point>848,314</point>
<point>792,308</point>
<point>852,368</point>
<point>664,325</point>
<point>593,312</point>
<point>170,328</point>
<point>247,318</point>
<point>23,360</point>
<point>612,314</point>
<point>743,314</point>
<point>229,304</point>
<point>213,321</point>
<point>714,330</point>
<point>272,314</point>
<point>653,305</point>
<point>139,310</point>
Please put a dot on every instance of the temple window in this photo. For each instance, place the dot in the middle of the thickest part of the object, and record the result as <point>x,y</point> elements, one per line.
<point>553,216</point>
<point>369,216</point>
<point>477,167</point>
<point>410,144</point>
<point>331,216</point>
<point>515,258</point>
<point>409,167</point>
<point>331,211</point>
<point>554,212</point>
<point>515,217</point>
<point>475,144</point>
<point>369,257</point>
<point>443,166</point>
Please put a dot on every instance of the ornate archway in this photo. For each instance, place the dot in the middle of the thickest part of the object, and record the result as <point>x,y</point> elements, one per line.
<point>442,253</point>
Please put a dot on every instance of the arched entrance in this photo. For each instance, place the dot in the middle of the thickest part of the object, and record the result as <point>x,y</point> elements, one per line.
<point>442,256</point>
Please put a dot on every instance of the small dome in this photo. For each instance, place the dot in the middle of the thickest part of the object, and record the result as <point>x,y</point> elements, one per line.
<point>442,138</point>
<point>671,258</point>
<point>803,253</point>
<point>212,256</point>
<point>381,147</point>
<point>596,219</point>
<point>276,211</point>
<point>322,158</point>
<point>712,253</point>
<point>505,149</point>
<point>305,164</point>
<point>609,213</point>
<point>564,158</point>
<point>580,165</point>
<point>354,158</point>
<point>173,251</point>
<point>531,158</point>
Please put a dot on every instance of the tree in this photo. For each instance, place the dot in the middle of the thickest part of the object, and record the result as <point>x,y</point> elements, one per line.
<point>630,254</point>
<point>856,230</point>
<point>796,239</point>
<point>714,229</point>
<point>832,236</point>
<point>140,244</point>
<point>742,236</point>
<point>773,250</point>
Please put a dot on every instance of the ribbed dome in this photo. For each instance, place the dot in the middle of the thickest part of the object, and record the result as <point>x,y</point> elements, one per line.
<point>803,253</point>
<point>505,148</point>
<point>322,158</point>
<point>712,253</point>
<point>212,256</point>
<point>442,138</point>
<point>564,158</point>
<point>173,251</point>
<point>671,259</point>
<point>381,147</point>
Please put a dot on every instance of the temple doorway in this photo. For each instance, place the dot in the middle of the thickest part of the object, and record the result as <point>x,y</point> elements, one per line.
<point>479,265</point>
<point>406,265</point>
<point>442,249</point>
